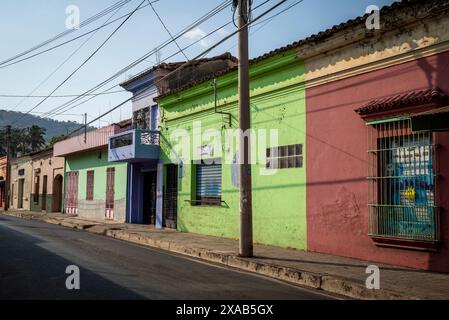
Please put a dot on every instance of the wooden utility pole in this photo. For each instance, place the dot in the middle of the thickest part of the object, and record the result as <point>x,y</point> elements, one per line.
<point>8,167</point>
<point>85,128</point>
<point>246,214</point>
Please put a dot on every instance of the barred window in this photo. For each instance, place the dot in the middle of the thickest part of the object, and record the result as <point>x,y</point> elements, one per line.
<point>401,179</point>
<point>122,141</point>
<point>285,157</point>
<point>90,185</point>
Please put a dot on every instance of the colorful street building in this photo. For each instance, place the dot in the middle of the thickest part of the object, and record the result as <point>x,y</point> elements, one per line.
<point>3,180</point>
<point>94,188</point>
<point>151,192</point>
<point>20,183</point>
<point>358,167</point>
<point>48,181</point>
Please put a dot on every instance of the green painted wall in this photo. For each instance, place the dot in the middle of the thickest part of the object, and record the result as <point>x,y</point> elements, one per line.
<point>92,161</point>
<point>38,206</point>
<point>279,200</point>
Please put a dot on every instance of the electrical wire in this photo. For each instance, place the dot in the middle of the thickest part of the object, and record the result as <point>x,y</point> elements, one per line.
<point>183,65</point>
<point>166,29</point>
<point>193,25</point>
<point>62,34</point>
<point>57,96</point>
<point>67,105</point>
<point>64,62</point>
<point>87,60</point>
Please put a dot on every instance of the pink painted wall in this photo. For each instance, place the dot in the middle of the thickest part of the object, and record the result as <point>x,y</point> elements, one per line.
<point>94,139</point>
<point>337,214</point>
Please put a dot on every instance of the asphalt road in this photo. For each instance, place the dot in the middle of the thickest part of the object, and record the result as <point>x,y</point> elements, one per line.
<point>34,257</point>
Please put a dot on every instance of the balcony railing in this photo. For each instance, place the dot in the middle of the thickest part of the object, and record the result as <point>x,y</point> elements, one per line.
<point>135,145</point>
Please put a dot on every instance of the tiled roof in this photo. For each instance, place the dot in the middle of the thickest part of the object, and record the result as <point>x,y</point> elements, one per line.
<point>174,65</point>
<point>404,100</point>
<point>319,37</point>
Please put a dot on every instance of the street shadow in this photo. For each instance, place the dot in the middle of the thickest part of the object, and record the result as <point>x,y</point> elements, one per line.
<point>30,272</point>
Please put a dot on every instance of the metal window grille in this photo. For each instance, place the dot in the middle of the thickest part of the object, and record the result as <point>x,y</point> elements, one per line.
<point>285,157</point>
<point>401,183</point>
<point>208,183</point>
<point>71,198</point>
<point>90,185</point>
<point>110,192</point>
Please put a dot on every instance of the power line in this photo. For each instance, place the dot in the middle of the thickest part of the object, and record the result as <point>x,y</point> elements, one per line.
<point>266,21</point>
<point>87,60</point>
<point>62,34</point>
<point>58,96</point>
<point>67,106</point>
<point>172,55</point>
<point>2,66</point>
<point>199,21</point>
<point>166,29</point>
<point>185,64</point>
<point>64,62</point>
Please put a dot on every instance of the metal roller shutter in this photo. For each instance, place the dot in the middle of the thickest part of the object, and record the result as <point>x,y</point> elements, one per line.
<point>208,181</point>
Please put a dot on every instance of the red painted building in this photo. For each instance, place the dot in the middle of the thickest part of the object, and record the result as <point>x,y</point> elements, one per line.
<point>376,189</point>
<point>3,163</point>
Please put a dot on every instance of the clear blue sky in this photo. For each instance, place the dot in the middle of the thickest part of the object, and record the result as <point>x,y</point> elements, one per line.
<point>29,22</point>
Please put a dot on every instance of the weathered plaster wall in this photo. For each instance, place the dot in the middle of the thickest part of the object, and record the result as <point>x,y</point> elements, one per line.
<point>98,161</point>
<point>337,163</point>
<point>278,102</point>
<point>16,165</point>
<point>50,166</point>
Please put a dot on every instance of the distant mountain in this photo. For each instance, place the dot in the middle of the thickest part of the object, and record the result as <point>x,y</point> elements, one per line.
<point>54,128</point>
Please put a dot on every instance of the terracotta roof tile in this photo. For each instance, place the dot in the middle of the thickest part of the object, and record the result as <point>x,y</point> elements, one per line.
<point>319,37</point>
<point>404,100</point>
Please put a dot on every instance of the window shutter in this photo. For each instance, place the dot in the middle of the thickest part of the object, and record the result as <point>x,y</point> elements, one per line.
<point>208,181</point>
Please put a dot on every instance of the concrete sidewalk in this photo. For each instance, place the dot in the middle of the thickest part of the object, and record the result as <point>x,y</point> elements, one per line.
<point>333,274</point>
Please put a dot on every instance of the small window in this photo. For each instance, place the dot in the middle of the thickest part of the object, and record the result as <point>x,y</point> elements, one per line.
<point>285,157</point>
<point>90,186</point>
<point>122,141</point>
<point>208,183</point>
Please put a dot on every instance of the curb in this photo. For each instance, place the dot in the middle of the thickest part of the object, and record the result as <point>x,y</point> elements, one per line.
<point>325,282</point>
<point>328,283</point>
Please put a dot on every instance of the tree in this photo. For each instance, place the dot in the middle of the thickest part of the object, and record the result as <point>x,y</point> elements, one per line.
<point>23,141</point>
<point>53,140</point>
<point>35,137</point>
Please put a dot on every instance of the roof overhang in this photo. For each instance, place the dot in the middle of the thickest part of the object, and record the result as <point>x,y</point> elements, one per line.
<point>432,120</point>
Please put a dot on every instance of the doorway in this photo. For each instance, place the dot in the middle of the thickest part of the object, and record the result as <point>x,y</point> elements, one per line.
<point>44,193</point>
<point>149,197</point>
<point>20,194</point>
<point>71,193</point>
<point>57,194</point>
<point>171,197</point>
<point>110,192</point>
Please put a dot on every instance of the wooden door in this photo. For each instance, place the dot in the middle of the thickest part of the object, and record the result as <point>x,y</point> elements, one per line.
<point>44,193</point>
<point>71,197</point>
<point>110,179</point>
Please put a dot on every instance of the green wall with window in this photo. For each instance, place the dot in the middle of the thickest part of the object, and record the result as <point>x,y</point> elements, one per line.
<point>98,162</point>
<point>279,198</point>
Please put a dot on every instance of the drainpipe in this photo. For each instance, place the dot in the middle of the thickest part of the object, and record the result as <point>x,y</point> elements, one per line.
<point>214,85</point>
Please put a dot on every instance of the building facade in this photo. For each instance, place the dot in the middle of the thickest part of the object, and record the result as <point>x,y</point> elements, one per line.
<point>151,195</point>
<point>3,181</point>
<point>21,180</point>
<point>359,167</point>
<point>47,182</point>
<point>377,184</point>
<point>94,188</point>
<point>198,132</point>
